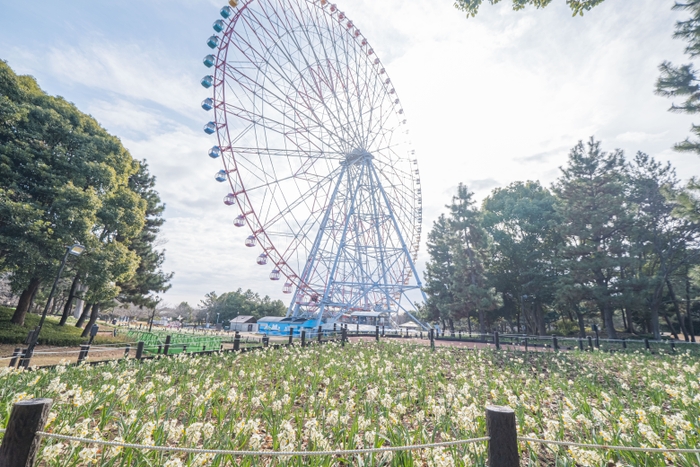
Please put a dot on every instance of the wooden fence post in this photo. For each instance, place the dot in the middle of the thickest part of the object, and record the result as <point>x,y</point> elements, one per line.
<point>20,444</point>
<point>139,350</point>
<point>624,343</point>
<point>291,335</point>
<point>376,333</point>
<point>236,341</point>
<point>84,349</point>
<point>127,350</point>
<point>303,338</point>
<point>503,445</point>
<point>646,344</point>
<point>15,357</point>
<point>343,335</point>
<point>590,343</point>
<point>525,344</point>
<point>320,333</point>
<point>555,343</point>
<point>580,344</point>
<point>496,340</point>
<point>166,348</point>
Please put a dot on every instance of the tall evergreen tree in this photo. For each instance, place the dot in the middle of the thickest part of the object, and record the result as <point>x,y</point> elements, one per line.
<point>149,277</point>
<point>683,80</point>
<point>522,222</point>
<point>594,222</point>
<point>470,244</point>
<point>439,272</point>
<point>665,240</point>
<point>60,176</point>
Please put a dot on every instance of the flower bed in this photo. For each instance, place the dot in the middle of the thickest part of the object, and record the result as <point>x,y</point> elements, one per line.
<point>367,395</point>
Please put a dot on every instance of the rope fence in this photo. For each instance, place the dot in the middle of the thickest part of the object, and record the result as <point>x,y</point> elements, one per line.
<point>609,447</point>
<point>344,452</point>
<point>226,452</point>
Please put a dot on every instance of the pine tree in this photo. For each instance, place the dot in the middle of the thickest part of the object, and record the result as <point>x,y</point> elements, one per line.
<point>470,245</point>
<point>595,219</point>
<point>439,272</point>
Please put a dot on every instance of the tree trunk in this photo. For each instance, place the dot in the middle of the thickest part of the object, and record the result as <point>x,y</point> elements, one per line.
<point>69,303</point>
<point>607,312</point>
<point>630,324</point>
<point>691,328</point>
<point>93,317</point>
<point>670,326</point>
<point>469,322</point>
<point>539,318</point>
<point>25,301</point>
<point>654,319</point>
<point>581,324</point>
<point>677,308</point>
<point>84,315</point>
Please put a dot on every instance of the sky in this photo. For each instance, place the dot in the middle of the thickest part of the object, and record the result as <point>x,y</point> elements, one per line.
<point>489,100</point>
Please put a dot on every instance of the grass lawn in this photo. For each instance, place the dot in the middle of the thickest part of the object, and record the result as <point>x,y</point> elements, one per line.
<point>51,332</point>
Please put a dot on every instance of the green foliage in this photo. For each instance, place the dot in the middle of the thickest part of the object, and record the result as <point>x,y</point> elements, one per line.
<point>238,303</point>
<point>523,223</point>
<point>64,179</point>
<point>594,216</point>
<point>578,7</point>
<point>611,238</point>
<point>149,277</point>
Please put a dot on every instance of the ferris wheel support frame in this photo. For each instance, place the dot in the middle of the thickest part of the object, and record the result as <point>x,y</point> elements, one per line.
<point>295,309</point>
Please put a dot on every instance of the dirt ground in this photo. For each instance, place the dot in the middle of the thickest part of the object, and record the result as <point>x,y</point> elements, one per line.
<point>47,355</point>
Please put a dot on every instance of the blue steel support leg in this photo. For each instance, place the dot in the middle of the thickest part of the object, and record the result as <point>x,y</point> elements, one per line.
<point>293,308</point>
<point>341,247</point>
<point>403,243</point>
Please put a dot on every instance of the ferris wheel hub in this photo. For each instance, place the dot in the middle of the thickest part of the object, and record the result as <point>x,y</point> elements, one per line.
<point>357,156</point>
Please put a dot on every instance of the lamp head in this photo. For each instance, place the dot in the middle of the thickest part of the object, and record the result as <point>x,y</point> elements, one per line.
<point>76,250</point>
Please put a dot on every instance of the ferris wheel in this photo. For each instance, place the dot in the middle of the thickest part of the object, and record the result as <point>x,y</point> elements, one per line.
<point>315,150</point>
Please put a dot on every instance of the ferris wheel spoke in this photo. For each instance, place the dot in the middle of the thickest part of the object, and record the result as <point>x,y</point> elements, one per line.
<point>286,153</point>
<point>288,55</point>
<point>358,126</point>
<point>254,91</point>
<point>329,78</point>
<point>276,126</point>
<point>272,60</point>
<point>299,200</point>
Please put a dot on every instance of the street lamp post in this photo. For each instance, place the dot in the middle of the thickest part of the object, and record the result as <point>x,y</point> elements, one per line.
<point>217,318</point>
<point>33,336</point>
<point>153,315</point>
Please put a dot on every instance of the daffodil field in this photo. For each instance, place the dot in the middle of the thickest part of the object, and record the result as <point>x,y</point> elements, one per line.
<point>366,395</point>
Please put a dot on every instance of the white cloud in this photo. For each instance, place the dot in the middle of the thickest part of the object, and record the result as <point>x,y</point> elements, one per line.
<point>640,136</point>
<point>128,70</point>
